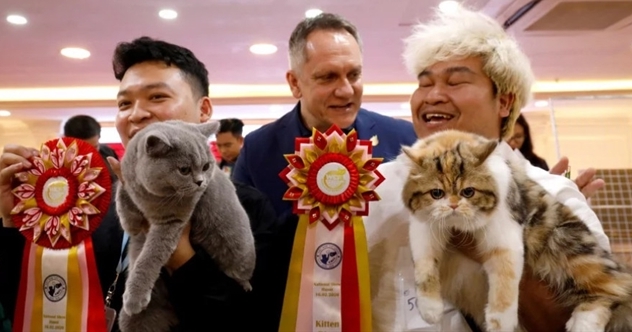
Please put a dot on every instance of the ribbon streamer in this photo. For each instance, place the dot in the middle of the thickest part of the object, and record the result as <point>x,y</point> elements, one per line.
<point>59,202</point>
<point>331,177</point>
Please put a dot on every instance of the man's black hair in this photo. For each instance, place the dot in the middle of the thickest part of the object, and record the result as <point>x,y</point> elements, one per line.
<point>82,127</point>
<point>234,126</point>
<point>146,49</point>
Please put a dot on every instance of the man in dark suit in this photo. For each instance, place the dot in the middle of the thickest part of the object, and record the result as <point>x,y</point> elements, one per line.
<point>326,77</point>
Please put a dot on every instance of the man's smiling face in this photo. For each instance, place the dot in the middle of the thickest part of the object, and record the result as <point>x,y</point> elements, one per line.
<point>151,92</point>
<point>457,94</point>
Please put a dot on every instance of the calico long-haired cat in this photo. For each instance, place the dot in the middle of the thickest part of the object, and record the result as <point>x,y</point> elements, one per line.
<point>458,182</point>
<point>170,179</point>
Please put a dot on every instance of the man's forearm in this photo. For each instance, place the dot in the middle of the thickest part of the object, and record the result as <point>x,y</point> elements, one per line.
<point>179,258</point>
<point>537,308</point>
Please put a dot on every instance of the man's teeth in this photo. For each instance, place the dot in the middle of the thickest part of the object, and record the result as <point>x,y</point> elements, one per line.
<point>437,117</point>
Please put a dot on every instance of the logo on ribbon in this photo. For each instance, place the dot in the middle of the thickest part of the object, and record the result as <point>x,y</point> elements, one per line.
<point>328,256</point>
<point>54,288</point>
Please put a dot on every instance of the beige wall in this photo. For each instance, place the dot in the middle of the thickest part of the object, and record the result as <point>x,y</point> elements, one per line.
<point>31,133</point>
<point>591,134</point>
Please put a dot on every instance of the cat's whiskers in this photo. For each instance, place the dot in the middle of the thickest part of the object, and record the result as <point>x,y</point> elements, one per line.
<point>442,237</point>
<point>465,241</point>
<point>167,199</point>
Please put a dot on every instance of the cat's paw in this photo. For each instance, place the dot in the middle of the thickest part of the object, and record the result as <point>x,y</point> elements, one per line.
<point>586,321</point>
<point>431,310</point>
<point>246,285</point>
<point>135,303</point>
<point>501,321</point>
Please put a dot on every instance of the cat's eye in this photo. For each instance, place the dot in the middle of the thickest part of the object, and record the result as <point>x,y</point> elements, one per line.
<point>467,192</point>
<point>437,193</point>
<point>205,167</point>
<point>185,170</point>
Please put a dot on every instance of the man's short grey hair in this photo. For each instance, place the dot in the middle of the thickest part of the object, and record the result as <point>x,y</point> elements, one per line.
<point>462,34</point>
<point>324,21</point>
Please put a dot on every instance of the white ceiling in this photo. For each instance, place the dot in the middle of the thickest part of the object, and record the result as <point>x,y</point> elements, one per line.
<point>219,32</point>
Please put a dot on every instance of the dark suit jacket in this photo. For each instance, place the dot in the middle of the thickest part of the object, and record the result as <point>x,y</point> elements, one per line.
<point>261,158</point>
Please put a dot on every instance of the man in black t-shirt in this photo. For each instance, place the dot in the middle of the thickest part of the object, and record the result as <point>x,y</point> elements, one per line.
<point>159,82</point>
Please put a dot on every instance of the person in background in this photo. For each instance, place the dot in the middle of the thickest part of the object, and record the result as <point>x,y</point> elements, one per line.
<point>87,128</point>
<point>521,141</point>
<point>229,142</point>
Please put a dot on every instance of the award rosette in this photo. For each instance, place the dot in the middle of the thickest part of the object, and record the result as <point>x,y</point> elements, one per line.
<point>332,178</point>
<point>59,202</point>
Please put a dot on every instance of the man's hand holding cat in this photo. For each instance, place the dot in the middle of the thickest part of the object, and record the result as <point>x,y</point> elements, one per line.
<point>586,181</point>
<point>116,167</point>
<point>536,306</point>
<point>13,160</point>
<point>183,253</point>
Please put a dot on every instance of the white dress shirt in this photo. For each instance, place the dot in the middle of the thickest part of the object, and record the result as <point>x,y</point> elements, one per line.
<point>391,268</point>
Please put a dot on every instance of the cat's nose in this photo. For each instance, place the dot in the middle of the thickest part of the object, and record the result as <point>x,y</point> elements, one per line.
<point>454,206</point>
<point>199,182</point>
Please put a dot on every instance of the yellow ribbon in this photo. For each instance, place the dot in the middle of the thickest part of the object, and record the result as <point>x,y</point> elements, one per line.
<point>293,287</point>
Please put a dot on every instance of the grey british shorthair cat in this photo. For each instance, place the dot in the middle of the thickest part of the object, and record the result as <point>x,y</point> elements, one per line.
<point>170,178</point>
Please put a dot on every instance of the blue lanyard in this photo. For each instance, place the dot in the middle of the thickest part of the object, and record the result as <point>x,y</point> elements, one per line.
<point>123,262</point>
<point>122,265</point>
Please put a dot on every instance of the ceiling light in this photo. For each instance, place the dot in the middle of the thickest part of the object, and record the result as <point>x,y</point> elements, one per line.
<point>168,14</point>
<point>541,103</point>
<point>310,13</point>
<point>5,113</point>
<point>16,19</point>
<point>263,49</point>
<point>449,6</point>
<point>75,53</point>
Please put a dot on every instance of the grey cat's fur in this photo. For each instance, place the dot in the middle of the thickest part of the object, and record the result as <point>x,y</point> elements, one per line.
<point>170,177</point>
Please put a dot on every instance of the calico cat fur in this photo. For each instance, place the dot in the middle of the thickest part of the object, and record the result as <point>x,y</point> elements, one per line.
<point>458,183</point>
<point>170,178</point>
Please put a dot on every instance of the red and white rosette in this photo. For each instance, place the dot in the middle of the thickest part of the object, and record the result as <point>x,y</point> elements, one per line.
<point>59,202</point>
<point>331,177</point>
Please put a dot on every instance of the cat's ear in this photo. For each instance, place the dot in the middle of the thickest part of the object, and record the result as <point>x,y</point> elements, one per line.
<point>414,159</point>
<point>408,151</point>
<point>482,151</point>
<point>209,128</point>
<point>157,145</point>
